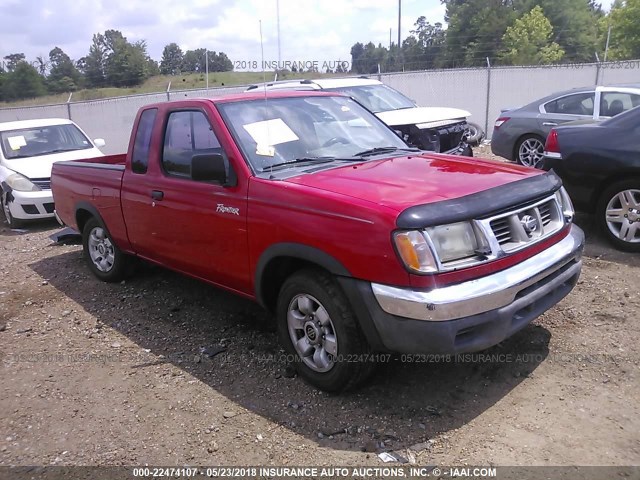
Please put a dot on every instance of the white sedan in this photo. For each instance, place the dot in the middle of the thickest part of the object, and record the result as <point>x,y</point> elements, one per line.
<point>28,150</point>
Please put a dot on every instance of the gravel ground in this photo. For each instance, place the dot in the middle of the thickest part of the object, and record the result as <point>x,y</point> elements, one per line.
<point>125,374</point>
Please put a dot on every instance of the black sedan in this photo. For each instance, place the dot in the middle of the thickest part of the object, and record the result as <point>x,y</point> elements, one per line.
<point>600,167</point>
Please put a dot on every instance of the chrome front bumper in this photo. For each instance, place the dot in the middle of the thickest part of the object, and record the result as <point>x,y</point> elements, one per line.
<point>483,294</point>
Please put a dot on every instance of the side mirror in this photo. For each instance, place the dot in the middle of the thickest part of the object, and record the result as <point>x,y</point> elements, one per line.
<point>209,168</point>
<point>99,142</point>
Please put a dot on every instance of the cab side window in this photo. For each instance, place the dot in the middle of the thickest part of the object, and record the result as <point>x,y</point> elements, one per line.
<point>577,104</point>
<point>140,154</point>
<point>614,103</point>
<point>188,133</point>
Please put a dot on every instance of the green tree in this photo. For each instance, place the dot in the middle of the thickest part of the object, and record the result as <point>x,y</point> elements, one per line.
<point>63,76</point>
<point>575,25</point>
<point>625,30</point>
<point>193,60</point>
<point>421,50</point>
<point>23,82</point>
<point>93,65</point>
<point>13,60</point>
<point>528,42</point>
<point>475,30</point>
<point>172,57</point>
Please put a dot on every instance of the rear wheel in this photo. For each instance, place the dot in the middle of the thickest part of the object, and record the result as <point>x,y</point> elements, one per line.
<point>13,222</point>
<point>105,259</point>
<point>619,214</point>
<point>476,134</point>
<point>318,328</point>
<point>529,151</point>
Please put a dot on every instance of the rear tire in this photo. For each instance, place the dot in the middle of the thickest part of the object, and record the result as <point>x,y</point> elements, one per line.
<point>319,330</point>
<point>529,151</point>
<point>618,214</point>
<point>106,261</point>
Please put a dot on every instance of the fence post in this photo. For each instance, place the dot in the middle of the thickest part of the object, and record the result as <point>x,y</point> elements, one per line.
<point>597,69</point>
<point>69,105</point>
<point>168,94</point>
<point>486,115</point>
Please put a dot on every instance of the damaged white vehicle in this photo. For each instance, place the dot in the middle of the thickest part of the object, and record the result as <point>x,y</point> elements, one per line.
<point>28,150</point>
<point>438,129</point>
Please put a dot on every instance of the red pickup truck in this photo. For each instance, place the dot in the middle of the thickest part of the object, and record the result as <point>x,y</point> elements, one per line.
<point>308,204</point>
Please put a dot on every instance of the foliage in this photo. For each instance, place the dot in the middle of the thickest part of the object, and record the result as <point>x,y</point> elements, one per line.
<point>527,41</point>
<point>63,74</point>
<point>12,61</point>
<point>196,61</point>
<point>625,30</point>
<point>23,81</point>
<point>172,57</point>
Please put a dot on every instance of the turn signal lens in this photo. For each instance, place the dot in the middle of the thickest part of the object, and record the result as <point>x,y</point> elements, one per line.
<point>415,252</point>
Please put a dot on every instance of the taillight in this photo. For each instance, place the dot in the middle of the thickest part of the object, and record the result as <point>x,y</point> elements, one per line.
<point>552,145</point>
<point>500,121</point>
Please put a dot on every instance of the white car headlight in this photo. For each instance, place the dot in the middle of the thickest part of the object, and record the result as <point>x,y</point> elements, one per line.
<point>21,183</point>
<point>565,204</point>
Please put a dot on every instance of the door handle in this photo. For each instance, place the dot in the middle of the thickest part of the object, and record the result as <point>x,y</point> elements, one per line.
<point>549,124</point>
<point>157,194</point>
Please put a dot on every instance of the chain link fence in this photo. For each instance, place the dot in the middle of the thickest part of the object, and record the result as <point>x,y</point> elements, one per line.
<point>484,92</point>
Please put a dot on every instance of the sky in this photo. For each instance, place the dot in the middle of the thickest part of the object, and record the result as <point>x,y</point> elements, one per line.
<point>310,30</point>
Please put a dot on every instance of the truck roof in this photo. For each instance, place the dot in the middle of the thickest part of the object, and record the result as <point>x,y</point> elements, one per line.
<point>316,84</point>
<point>39,122</point>
<point>258,94</point>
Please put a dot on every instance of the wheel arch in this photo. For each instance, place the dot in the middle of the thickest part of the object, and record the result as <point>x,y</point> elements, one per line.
<point>84,212</point>
<point>281,260</point>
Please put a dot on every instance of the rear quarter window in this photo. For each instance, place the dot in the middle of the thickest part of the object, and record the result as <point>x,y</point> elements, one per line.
<point>142,142</point>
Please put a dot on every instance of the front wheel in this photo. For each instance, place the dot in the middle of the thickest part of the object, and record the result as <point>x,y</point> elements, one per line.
<point>13,222</point>
<point>530,151</point>
<point>106,261</point>
<point>319,330</point>
<point>619,214</point>
<point>475,135</point>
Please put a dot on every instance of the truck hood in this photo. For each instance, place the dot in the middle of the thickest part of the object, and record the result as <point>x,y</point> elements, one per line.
<point>40,167</point>
<point>418,115</point>
<point>402,182</point>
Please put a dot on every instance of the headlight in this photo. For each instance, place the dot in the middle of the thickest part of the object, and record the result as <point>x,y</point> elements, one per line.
<point>454,241</point>
<point>21,183</point>
<point>565,204</point>
<point>426,251</point>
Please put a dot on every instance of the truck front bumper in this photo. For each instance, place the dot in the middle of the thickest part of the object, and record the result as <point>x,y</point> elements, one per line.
<point>472,315</point>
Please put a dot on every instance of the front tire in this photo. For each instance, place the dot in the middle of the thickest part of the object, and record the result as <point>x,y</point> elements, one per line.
<point>476,134</point>
<point>529,151</point>
<point>106,261</point>
<point>319,329</point>
<point>619,214</point>
<point>13,222</point>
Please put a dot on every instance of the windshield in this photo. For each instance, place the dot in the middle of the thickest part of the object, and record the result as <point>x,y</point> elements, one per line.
<point>32,142</point>
<point>377,98</point>
<point>302,129</point>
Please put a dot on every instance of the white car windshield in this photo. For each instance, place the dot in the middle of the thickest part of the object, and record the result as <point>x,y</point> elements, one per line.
<point>292,131</point>
<point>33,142</point>
<point>377,98</point>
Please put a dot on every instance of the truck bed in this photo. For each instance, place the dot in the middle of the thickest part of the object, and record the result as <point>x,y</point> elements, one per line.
<point>95,182</point>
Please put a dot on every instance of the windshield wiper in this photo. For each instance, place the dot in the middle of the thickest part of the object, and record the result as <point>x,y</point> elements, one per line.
<point>299,160</point>
<point>380,150</point>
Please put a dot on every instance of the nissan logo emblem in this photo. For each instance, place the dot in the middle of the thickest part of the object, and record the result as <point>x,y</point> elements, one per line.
<point>529,223</point>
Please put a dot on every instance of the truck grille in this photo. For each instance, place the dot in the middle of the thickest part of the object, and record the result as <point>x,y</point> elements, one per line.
<point>517,229</point>
<point>43,183</point>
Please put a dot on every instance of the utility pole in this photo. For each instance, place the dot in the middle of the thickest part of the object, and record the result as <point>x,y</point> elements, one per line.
<point>278,15</point>
<point>606,48</point>
<point>399,33</point>
<point>206,63</point>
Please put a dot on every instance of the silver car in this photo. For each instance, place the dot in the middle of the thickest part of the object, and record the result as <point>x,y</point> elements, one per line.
<point>520,134</point>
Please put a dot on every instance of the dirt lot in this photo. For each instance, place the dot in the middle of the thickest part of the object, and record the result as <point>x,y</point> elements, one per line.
<point>104,374</point>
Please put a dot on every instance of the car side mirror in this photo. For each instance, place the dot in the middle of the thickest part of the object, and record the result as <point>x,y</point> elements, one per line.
<point>209,168</point>
<point>99,142</point>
